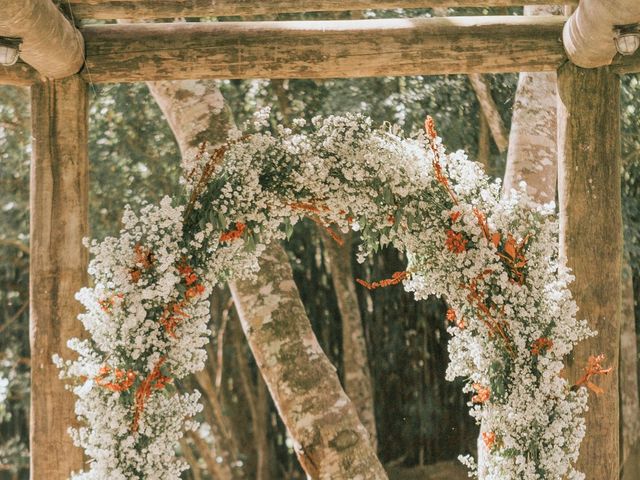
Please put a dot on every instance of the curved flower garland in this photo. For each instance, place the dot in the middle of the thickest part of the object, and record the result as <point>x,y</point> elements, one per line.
<point>494,259</point>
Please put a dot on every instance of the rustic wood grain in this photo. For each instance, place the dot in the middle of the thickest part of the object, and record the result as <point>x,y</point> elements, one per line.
<point>143,9</point>
<point>58,265</point>
<point>322,49</point>
<point>591,241</point>
<point>50,42</point>
<point>19,74</point>
<point>626,64</point>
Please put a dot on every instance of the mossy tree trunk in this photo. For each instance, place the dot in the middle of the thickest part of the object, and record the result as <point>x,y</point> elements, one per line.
<point>357,376</point>
<point>329,439</point>
<point>303,383</point>
<point>196,113</point>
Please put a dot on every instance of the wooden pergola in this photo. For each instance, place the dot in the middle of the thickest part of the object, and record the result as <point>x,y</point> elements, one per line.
<point>59,58</point>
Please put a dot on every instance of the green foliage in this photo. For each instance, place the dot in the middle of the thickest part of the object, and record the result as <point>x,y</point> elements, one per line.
<point>631,168</point>
<point>133,155</point>
<point>14,276</point>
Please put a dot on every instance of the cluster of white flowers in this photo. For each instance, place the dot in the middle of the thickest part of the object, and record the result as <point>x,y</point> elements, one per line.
<point>495,260</point>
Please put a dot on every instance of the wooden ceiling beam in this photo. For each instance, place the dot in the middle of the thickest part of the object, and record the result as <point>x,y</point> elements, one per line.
<point>50,42</point>
<point>146,9</point>
<point>322,49</point>
<point>589,33</point>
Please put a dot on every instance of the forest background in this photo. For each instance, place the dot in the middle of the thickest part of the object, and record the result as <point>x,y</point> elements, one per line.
<point>420,418</point>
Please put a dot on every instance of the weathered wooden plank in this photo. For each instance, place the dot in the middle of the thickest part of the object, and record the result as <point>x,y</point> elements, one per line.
<point>588,34</point>
<point>142,9</point>
<point>19,74</point>
<point>58,264</point>
<point>630,64</point>
<point>322,49</point>
<point>591,241</point>
<point>50,42</point>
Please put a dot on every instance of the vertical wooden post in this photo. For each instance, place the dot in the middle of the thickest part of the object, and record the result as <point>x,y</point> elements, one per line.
<point>591,240</point>
<point>59,221</point>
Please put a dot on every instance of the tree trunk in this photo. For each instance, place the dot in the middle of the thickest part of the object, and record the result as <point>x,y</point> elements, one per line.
<point>532,154</point>
<point>342,447</point>
<point>357,377</point>
<point>196,112</point>
<point>257,401</point>
<point>489,110</point>
<point>591,242</point>
<point>330,440</point>
<point>629,403</point>
<point>484,148</point>
<point>58,265</point>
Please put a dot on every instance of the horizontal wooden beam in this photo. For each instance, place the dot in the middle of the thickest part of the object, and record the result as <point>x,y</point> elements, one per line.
<point>589,33</point>
<point>50,42</point>
<point>145,9</point>
<point>622,65</point>
<point>19,74</point>
<point>322,49</point>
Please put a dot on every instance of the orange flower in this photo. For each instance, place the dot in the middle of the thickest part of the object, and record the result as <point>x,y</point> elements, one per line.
<point>455,216</point>
<point>123,379</point>
<point>155,381</point>
<point>107,304</point>
<point>144,259</point>
<point>143,256</point>
<point>309,207</point>
<point>495,239</point>
<point>455,242</point>
<point>430,127</point>
<point>512,256</point>
<point>233,234</point>
<point>489,439</point>
<point>451,317</point>
<point>592,369</point>
<point>187,273</point>
<point>541,345</point>
<point>172,316</point>
<point>135,275</point>
<point>482,221</point>
<point>441,178</point>
<point>396,278</point>
<point>194,291</point>
<point>482,393</point>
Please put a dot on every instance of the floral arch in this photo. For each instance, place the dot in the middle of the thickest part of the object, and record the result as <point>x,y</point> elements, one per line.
<point>494,259</point>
